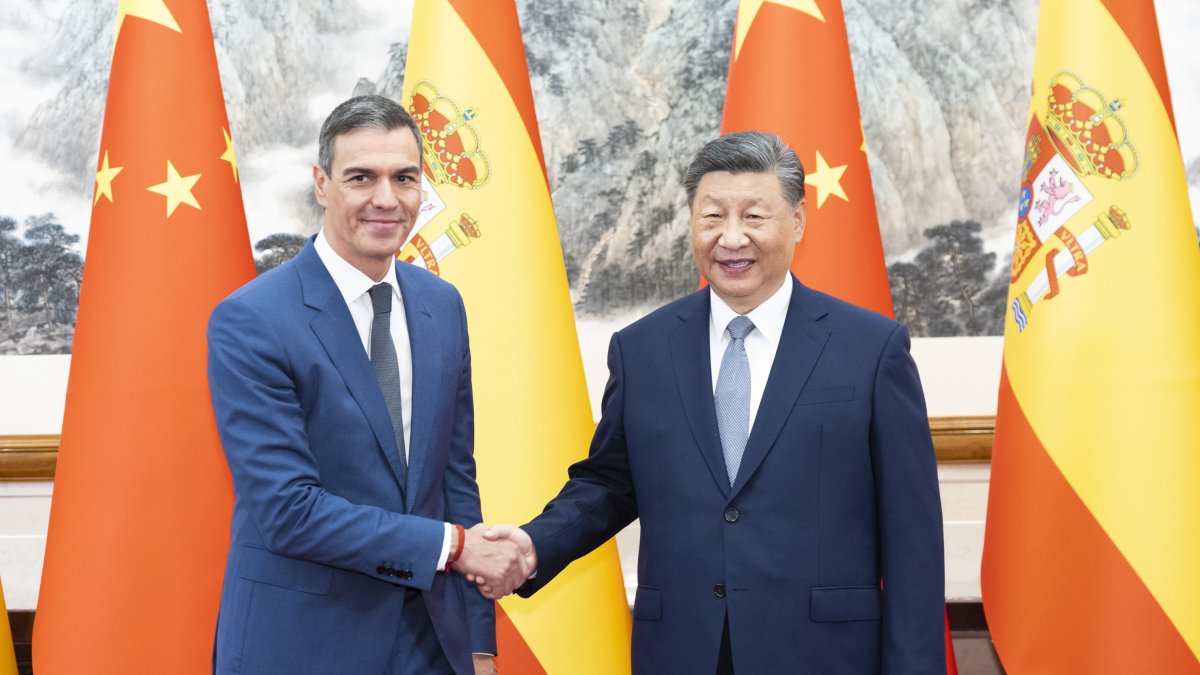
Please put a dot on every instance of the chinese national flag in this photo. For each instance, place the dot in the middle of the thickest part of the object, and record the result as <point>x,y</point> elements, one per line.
<point>488,227</point>
<point>813,106</point>
<point>139,521</point>
<point>1092,543</point>
<point>790,75</point>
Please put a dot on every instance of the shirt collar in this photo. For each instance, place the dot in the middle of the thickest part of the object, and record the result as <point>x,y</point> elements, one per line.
<point>768,317</point>
<point>350,281</point>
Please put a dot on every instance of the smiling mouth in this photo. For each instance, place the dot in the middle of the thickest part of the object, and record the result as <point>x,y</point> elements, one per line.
<point>735,264</point>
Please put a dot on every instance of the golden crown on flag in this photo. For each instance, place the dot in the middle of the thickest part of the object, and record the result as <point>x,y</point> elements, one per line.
<point>1087,130</point>
<point>453,155</point>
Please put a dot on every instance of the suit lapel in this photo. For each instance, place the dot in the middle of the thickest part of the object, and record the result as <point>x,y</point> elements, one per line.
<point>427,369</point>
<point>334,328</point>
<point>800,346</point>
<point>693,374</point>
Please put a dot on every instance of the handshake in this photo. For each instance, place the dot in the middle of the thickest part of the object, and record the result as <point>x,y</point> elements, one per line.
<point>498,558</point>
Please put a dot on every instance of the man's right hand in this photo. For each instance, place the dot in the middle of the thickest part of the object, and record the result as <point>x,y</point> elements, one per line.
<point>514,534</point>
<point>498,564</point>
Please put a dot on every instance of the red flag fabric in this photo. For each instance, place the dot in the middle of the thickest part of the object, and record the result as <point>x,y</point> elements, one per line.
<point>139,520</point>
<point>814,108</point>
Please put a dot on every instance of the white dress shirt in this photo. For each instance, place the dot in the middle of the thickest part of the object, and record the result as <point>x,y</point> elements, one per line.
<point>355,288</point>
<point>761,343</point>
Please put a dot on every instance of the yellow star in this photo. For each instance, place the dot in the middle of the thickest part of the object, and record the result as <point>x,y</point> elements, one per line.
<point>177,189</point>
<point>154,11</point>
<point>104,179</point>
<point>827,179</point>
<point>863,131</point>
<point>229,156</point>
<point>748,10</point>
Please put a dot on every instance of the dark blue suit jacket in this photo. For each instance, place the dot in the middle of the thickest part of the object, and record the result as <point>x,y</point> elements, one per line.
<point>837,491</point>
<point>325,538</point>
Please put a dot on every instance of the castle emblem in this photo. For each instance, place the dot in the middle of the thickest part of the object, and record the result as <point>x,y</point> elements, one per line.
<point>1082,140</point>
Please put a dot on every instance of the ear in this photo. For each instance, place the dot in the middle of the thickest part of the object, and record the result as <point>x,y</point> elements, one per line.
<point>798,220</point>
<point>320,180</point>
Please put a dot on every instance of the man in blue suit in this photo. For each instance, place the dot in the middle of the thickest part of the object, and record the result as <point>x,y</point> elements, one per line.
<point>341,383</point>
<point>774,442</point>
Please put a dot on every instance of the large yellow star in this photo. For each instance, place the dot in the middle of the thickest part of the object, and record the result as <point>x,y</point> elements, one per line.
<point>827,179</point>
<point>154,11</point>
<point>748,10</point>
<point>229,156</point>
<point>177,189</point>
<point>104,179</point>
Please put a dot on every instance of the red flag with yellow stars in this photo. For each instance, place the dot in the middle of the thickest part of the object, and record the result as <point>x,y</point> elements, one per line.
<point>139,521</point>
<point>816,112</point>
<point>1092,541</point>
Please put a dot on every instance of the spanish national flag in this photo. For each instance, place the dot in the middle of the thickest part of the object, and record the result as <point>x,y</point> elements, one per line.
<point>1093,528</point>
<point>139,521</point>
<point>488,226</point>
<point>8,659</point>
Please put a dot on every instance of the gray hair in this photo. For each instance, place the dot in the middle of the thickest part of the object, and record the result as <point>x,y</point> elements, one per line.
<point>361,112</point>
<point>748,152</point>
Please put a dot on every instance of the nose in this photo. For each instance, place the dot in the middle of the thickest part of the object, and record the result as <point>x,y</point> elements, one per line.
<point>733,234</point>
<point>384,197</point>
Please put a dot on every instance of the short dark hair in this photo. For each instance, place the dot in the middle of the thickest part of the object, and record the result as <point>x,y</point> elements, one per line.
<point>748,152</point>
<point>362,112</point>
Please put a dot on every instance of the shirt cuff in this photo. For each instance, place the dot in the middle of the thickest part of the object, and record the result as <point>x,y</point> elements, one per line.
<point>445,554</point>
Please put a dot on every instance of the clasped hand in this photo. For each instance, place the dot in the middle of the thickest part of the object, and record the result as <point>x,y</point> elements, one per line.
<point>498,559</point>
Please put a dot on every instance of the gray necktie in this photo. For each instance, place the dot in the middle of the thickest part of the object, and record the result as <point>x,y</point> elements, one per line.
<point>386,366</point>
<point>732,397</point>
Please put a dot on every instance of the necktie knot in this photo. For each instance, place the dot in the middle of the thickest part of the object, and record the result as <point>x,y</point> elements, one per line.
<point>381,298</point>
<point>740,327</point>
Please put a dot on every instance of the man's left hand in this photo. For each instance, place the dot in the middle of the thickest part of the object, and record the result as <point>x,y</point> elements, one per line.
<point>485,664</point>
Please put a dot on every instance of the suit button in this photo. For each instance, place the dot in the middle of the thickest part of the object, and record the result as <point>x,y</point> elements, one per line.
<point>731,515</point>
<point>719,590</point>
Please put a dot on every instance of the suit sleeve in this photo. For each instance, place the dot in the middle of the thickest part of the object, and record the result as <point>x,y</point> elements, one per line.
<point>598,499</point>
<point>275,474</point>
<point>910,516</point>
<point>462,499</point>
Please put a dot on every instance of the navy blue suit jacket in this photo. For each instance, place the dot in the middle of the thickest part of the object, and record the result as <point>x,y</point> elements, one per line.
<point>837,491</point>
<point>325,537</point>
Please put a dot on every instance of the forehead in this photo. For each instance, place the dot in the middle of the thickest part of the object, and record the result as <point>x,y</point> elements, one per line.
<point>375,148</point>
<point>722,186</point>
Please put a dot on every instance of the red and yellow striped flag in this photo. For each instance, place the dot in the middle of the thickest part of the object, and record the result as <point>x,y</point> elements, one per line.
<point>1093,528</point>
<point>8,658</point>
<point>812,104</point>
<point>139,521</point>
<point>488,226</point>
<point>815,111</point>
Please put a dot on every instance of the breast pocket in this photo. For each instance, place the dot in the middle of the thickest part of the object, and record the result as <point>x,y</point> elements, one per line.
<point>813,396</point>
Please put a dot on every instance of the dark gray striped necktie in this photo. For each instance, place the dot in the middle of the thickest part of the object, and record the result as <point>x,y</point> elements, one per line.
<point>386,366</point>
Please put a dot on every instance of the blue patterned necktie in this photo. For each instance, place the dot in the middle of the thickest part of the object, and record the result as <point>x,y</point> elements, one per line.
<point>386,366</point>
<point>732,396</point>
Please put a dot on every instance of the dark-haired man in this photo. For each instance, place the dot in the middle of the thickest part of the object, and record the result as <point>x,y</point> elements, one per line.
<point>341,383</point>
<point>774,442</point>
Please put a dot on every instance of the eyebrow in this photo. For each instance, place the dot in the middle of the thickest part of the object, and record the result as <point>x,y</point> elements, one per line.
<point>410,170</point>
